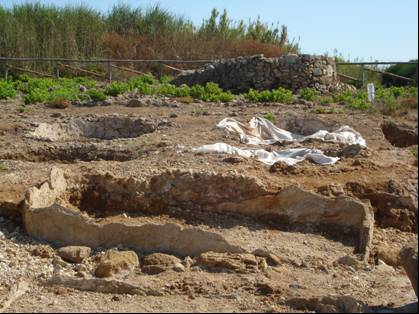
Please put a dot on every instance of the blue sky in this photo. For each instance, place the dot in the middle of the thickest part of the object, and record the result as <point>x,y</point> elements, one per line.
<point>385,30</point>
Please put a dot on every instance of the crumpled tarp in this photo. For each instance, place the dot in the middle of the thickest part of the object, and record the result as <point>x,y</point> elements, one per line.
<point>260,131</point>
<point>288,156</point>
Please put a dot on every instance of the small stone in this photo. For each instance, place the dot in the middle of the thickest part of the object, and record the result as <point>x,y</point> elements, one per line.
<point>74,254</point>
<point>271,259</point>
<point>43,251</point>
<point>233,160</point>
<point>117,263</point>
<point>388,255</point>
<point>188,262</point>
<point>348,261</point>
<point>133,103</point>
<point>56,115</point>
<point>240,263</point>
<point>157,263</point>
<point>265,288</point>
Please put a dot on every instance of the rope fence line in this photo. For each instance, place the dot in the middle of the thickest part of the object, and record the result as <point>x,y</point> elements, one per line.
<point>57,62</point>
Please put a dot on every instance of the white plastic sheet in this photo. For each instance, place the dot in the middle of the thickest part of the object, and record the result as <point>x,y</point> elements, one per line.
<point>260,131</point>
<point>288,156</point>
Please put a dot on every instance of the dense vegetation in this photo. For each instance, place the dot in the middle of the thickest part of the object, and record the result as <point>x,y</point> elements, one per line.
<point>59,93</point>
<point>406,70</point>
<point>35,29</point>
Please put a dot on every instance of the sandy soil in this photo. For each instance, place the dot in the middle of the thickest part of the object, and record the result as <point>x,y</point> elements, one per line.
<point>309,269</point>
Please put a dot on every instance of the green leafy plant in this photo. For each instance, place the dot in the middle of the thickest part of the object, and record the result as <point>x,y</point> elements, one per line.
<point>7,90</point>
<point>117,88</point>
<point>323,110</point>
<point>280,95</point>
<point>345,96</point>
<point>210,92</point>
<point>61,98</point>
<point>325,101</point>
<point>145,79</point>
<point>36,95</point>
<point>360,101</point>
<point>96,95</point>
<point>309,94</point>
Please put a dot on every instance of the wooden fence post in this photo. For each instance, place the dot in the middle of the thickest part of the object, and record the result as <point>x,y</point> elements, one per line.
<point>416,74</point>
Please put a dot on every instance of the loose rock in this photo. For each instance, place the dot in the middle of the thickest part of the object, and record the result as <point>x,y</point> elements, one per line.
<point>74,254</point>
<point>157,263</point>
<point>117,263</point>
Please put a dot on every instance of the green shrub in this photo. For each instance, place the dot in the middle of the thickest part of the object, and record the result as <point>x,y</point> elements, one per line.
<point>146,89</point>
<point>309,94</point>
<point>182,91</point>
<point>86,82</point>
<point>166,79</point>
<point>326,101</point>
<point>35,83</point>
<point>345,96</point>
<point>61,98</point>
<point>36,95</point>
<point>360,104</point>
<point>281,95</point>
<point>210,92</point>
<point>197,91</point>
<point>7,90</point>
<point>96,95</point>
<point>142,80</point>
<point>117,88</point>
<point>406,70</point>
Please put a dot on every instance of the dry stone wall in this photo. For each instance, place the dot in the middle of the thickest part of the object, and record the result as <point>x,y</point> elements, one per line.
<point>289,71</point>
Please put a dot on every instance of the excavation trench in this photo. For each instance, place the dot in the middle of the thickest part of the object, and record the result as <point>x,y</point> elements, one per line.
<point>73,152</point>
<point>167,212</point>
<point>108,127</point>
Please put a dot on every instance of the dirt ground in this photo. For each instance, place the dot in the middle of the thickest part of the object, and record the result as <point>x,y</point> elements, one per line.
<point>311,266</point>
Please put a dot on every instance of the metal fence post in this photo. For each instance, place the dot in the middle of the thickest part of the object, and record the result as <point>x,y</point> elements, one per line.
<point>5,70</point>
<point>416,74</point>
<point>109,71</point>
<point>362,75</point>
<point>160,73</point>
<point>56,70</point>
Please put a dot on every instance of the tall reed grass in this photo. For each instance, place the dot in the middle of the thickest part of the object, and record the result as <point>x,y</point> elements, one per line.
<point>39,30</point>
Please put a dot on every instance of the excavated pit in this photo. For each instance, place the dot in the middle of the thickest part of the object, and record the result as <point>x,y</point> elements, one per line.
<point>174,212</point>
<point>305,124</point>
<point>87,138</point>
<point>94,127</point>
<point>400,135</point>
